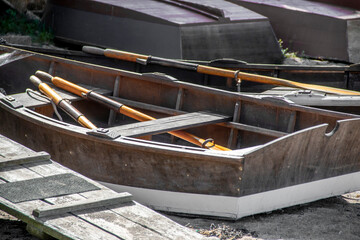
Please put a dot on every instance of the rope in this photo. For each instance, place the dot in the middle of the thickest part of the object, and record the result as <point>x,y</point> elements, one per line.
<point>45,99</point>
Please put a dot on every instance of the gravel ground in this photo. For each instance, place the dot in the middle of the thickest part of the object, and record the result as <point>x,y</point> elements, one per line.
<point>328,219</point>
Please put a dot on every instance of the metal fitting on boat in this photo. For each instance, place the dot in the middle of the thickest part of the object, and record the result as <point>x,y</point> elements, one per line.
<point>102,130</point>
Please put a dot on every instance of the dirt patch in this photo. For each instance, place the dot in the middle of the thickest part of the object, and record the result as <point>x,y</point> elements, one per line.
<point>13,229</point>
<point>330,219</point>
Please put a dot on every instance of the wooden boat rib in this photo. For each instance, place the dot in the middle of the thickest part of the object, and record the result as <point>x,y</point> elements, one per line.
<point>283,154</point>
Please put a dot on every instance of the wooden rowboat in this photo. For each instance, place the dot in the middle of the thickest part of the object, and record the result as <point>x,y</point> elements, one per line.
<point>281,154</point>
<point>338,76</point>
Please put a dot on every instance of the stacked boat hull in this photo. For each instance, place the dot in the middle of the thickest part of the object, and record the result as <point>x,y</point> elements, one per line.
<point>201,30</point>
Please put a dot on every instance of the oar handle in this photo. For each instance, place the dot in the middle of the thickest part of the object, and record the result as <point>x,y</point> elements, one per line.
<point>123,55</point>
<point>216,71</point>
<point>70,87</point>
<point>112,53</point>
<point>93,50</point>
<point>62,83</point>
<point>46,89</point>
<point>62,103</point>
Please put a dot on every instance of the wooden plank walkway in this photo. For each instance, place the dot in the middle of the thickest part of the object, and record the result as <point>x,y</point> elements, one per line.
<point>83,209</point>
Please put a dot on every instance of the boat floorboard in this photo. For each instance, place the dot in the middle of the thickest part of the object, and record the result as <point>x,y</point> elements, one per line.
<point>72,212</point>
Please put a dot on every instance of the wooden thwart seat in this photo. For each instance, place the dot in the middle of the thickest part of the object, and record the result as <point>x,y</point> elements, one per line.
<point>231,124</point>
<point>163,125</point>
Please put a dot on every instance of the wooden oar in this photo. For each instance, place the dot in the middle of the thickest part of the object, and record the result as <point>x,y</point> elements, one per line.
<point>116,106</point>
<point>238,75</point>
<point>62,103</point>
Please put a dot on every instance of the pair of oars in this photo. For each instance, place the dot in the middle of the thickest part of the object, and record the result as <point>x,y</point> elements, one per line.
<point>62,103</point>
<point>237,75</point>
<point>116,106</point>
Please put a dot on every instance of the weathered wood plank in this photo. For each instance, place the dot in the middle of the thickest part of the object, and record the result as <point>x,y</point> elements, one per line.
<point>74,226</point>
<point>164,125</point>
<point>127,227</point>
<point>17,173</point>
<point>24,158</point>
<point>83,205</point>
<point>65,226</point>
<point>147,217</point>
<point>94,223</point>
<point>156,222</point>
<point>47,168</point>
<point>12,154</point>
<point>9,148</point>
<point>108,220</point>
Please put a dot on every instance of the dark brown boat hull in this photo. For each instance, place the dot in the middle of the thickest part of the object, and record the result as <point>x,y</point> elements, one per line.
<point>277,146</point>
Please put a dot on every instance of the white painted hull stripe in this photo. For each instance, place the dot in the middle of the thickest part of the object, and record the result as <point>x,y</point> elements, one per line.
<point>237,207</point>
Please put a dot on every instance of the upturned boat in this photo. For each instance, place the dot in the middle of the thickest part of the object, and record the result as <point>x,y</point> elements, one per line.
<point>255,155</point>
<point>185,29</point>
<point>313,28</point>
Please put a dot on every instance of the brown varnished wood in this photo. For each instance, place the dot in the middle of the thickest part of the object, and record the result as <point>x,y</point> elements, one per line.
<point>139,166</point>
<point>314,155</point>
